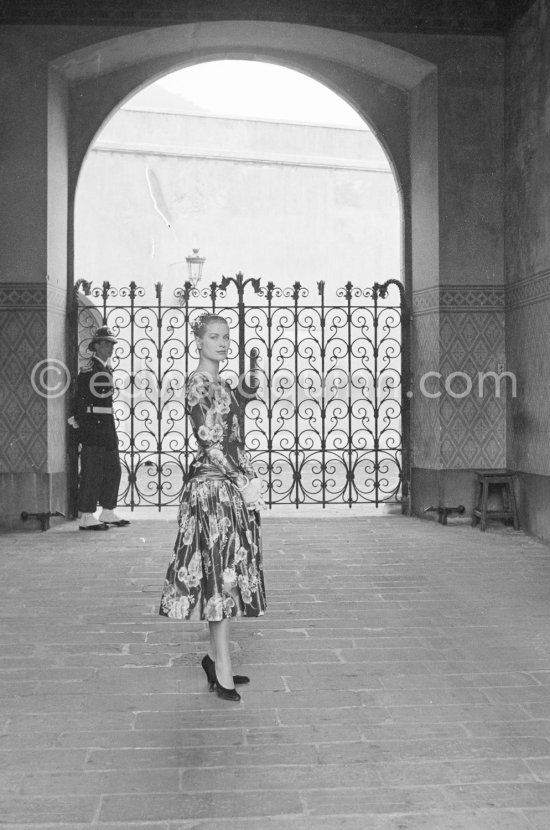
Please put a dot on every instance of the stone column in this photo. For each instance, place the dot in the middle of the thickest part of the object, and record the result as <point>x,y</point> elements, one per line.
<point>33,278</point>
<point>458,306</point>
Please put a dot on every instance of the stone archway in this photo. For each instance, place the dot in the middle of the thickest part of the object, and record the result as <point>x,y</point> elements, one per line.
<point>393,90</point>
<point>388,87</point>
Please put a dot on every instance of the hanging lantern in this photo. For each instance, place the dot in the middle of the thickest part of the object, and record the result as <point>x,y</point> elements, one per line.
<point>194,267</point>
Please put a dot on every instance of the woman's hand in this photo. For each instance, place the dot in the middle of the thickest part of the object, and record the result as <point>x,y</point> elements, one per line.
<point>252,494</point>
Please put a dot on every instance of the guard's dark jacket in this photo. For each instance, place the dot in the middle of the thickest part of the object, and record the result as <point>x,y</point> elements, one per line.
<point>93,395</point>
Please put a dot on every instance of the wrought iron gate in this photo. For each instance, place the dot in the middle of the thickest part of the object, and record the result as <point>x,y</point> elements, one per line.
<point>326,418</point>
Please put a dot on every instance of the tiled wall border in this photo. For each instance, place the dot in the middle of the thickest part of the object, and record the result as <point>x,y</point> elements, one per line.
<point>23,295</point>
<point>472,298</point>
<point>32,295</point>
<point>528,291</point>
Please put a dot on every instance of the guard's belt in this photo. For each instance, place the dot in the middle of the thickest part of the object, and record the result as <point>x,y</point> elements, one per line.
<point>100,410</point>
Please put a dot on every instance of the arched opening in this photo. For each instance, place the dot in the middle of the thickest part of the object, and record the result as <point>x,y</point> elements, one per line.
<point>261,167</point>
<point>394,89</point>
<point>299,195</point>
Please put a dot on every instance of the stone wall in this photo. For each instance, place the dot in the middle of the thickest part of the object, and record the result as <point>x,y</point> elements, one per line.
<point>278,201</point>
<point>466,17</point>
<point>528,260</point>
<point>458,275</point>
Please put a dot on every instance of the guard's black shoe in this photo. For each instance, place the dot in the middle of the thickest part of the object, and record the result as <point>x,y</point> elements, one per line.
<point>109,517</point>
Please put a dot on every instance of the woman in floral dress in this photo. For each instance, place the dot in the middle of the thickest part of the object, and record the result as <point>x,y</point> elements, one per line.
<point>216,569</point>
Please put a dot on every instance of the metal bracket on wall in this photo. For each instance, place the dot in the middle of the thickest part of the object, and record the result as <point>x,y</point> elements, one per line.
<point>443,512</point>
<point>43,518</point>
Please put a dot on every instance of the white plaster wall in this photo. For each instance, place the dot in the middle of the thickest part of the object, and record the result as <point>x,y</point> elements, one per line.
<point>279,201</point>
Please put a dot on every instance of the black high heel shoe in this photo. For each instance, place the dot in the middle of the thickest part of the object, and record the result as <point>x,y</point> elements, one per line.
<point>227,694</point>
<point>210,669</point>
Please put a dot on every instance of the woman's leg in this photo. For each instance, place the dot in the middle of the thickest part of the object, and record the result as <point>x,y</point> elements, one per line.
<point>212,649</point>
<point>219,638</point>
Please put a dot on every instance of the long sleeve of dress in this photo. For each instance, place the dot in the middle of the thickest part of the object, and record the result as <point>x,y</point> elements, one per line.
<point>208,405</point>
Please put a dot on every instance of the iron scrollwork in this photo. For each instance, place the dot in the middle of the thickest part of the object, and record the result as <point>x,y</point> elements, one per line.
<point>322,381</point>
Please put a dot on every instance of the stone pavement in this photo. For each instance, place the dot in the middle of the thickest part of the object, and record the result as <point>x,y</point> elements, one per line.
<point>400,681</point>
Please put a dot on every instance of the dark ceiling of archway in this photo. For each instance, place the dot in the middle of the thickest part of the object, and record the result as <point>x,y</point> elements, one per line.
<point>470,17</point>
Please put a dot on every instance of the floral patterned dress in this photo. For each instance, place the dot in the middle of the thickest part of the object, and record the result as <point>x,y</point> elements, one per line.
<point>216,568</point>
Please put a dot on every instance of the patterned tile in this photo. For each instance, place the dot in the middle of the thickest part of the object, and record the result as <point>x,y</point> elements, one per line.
<point>425,301</point>
<point>424,410</point>
<point>16,295</point>
<point>23,413</point>
<point>460,298</point>
<point>471,298</point>
<point>529,291</point>
<point>466,426</point>
<point>473,424</point>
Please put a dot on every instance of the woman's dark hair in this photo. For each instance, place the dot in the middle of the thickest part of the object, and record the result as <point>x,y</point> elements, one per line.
<point>199,324</point>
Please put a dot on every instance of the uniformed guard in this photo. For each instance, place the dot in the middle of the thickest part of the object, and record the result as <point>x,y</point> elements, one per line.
<point>92,415</point>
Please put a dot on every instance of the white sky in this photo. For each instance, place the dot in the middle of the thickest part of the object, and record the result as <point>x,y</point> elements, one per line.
<point>257,89</point>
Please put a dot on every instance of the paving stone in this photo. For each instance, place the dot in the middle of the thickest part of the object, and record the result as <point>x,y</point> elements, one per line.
<point>320,699</point>
<point>284,777</point>
<point>350,714</point>
<point>540,711</point>
<point>391,730</point>
<point>17,688</point>
<point>204,756</point>
<point>219,718</point>
<point>521,694</point>
<point>310,734</point>
<point>372,800</point>
<point>538,819</point>
<point>199,805</point>
<point>455,772</point>
<point>28,740</point>
<point>496,729</point>
<point>457,681</point>
<point>94,782</point>
<point>73,721</point>
<point>41,674</point>
<point>432,748</point>
<point>142,738</point>
<point>511,794</point>
<point>41,759</point>
<point>63,809</point>
<point>444,714</point>
<point>421,697</point>
<point>10,782</point>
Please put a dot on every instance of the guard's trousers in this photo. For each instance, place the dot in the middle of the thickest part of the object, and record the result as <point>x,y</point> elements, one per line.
<point>99,478</point>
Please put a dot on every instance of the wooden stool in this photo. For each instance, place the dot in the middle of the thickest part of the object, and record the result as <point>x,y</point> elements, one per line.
<point>503,480</point>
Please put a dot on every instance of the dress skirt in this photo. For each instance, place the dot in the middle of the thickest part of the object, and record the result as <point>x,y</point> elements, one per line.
<point>216,570</point>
